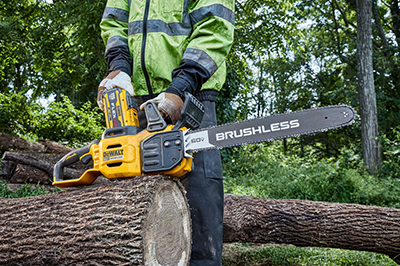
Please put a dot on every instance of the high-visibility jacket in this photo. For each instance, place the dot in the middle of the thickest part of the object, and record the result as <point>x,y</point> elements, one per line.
<point>170,44</point>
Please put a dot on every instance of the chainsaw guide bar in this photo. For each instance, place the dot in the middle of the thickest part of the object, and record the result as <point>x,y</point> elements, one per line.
<point>269,128</point>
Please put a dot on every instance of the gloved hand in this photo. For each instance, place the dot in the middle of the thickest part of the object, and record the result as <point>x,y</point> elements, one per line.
<point>114,79</point>
<point>169,104</point>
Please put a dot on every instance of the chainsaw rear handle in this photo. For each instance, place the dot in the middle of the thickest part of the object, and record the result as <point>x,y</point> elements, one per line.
<point>71,158</point>
<point>191,115</point>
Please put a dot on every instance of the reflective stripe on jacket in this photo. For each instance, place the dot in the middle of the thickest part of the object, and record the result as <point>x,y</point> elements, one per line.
<point>174,44</point>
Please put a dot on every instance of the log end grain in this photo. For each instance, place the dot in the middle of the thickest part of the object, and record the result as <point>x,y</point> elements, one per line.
<point>167,228</point>
<point>138,221</point>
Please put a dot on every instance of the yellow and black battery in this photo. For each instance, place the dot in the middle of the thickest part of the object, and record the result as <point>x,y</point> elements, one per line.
<point>120,108</point>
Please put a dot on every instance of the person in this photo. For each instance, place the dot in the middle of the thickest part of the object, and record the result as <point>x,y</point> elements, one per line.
<point>157,50</point>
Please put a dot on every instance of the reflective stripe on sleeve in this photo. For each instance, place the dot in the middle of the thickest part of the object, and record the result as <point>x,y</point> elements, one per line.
<point>216,10</point>
<point>202,58</point>
<point>116,13</point>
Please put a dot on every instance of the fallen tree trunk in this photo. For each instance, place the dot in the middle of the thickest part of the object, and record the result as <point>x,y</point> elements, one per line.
<point>308,223</point>
<point>114,223</point>
<point>125,222</point>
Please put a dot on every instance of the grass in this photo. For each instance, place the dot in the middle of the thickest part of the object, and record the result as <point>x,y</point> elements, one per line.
<point>288,255</point>
<point>26,190</point>
<point>266,172</point>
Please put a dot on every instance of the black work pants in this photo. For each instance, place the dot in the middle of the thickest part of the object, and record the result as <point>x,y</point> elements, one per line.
<point>206,200</point>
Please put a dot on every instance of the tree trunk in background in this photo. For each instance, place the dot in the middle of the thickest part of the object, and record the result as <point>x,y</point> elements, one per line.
<point>366,87</point>
<point>125,222</point>
<point>312,224</point>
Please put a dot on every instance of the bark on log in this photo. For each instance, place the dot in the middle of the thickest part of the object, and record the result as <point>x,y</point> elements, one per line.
<point>28,174</point>
<point>54,147</point>
<point>125,222</point>
<point>309,223</point>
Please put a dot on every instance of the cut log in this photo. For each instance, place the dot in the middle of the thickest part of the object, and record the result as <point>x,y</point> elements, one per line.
<point>126,222</point>
<point>27,174</point>
<point>54,147</point>
<point>308,223</point>
<point>27,162</point>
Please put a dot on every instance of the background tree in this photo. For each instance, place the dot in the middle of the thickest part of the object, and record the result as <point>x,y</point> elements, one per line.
<point>51,48</point>
<point>366,87</point>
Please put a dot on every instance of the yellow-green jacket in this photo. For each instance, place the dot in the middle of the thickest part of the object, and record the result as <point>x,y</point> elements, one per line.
<point>176,45</point>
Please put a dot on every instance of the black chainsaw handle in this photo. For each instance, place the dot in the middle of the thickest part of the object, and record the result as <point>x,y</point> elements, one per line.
<point>191,115</point>
<point>71,158</point>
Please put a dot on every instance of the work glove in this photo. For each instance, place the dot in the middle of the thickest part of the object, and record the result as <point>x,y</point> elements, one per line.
<point>169,104</point>
<point>115,79</point>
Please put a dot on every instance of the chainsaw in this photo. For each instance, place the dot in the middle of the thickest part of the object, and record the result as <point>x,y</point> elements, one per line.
<point>126,150</point>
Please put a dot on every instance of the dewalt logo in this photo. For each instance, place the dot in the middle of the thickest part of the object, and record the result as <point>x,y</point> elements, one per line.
<point>113,155</point>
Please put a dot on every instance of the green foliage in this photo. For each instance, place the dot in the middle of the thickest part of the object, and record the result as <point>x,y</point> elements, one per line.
<point>267,172</point>
<point>64,123</point>
<point>60,121</point>
<point>24,191</point>
<point>51,48</point>
<point>286,58</point>
<point>391,154</point>
<point>258,255</point>
<point>17,114</point>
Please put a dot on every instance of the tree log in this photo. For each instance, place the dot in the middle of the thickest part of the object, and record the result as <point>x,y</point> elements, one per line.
<point>28,174</point>
<point>54,147</point>
<point>126,222</point>
<point>146,219</point>
<point>308,223</point>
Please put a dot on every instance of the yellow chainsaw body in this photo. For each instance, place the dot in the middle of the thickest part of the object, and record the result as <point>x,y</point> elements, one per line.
<point>121,156</point>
